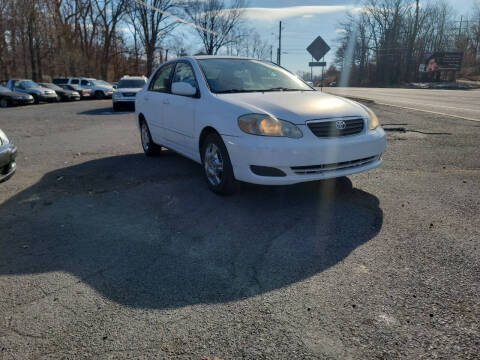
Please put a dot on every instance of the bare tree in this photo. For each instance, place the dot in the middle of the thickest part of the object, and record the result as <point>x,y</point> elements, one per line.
<point>214,21</point>
<point>152,23</point>
<point>110,13</point>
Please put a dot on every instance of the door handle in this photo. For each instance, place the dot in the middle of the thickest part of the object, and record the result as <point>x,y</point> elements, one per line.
<point>166,101</point>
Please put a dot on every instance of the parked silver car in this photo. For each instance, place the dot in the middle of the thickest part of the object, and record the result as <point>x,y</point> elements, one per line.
<point>8,153</point>
<point>38,92</point>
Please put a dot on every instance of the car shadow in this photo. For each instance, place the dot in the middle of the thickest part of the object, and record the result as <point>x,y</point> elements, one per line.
<point>108,111</point>
<point>146,232</point>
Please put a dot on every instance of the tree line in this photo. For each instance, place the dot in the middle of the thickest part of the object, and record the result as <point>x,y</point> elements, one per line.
<point>108,38</point>
<point>386,41</point>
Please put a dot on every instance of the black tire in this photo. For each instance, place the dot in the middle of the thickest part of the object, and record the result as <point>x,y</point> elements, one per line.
<point>4,103</point>
<point>225,183</point>
<point>116,107</point>
<point>149,147</point>
<point>35,99</point>
<point>99,95</point>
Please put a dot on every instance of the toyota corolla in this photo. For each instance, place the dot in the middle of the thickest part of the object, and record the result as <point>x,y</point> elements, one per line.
<point>253,121</point>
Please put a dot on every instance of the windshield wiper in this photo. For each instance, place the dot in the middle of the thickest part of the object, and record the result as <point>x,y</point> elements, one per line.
<point>281,89</point>
<point>231,91</point>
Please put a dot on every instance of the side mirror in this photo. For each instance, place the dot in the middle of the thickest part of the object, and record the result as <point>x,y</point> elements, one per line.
<point>183,88</point>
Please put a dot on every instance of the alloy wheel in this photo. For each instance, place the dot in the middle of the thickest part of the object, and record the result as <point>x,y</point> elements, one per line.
<point>213,163</point>
<point>145,136</point>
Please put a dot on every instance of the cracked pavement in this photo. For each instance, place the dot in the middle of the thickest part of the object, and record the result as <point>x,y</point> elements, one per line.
<point>108,254</point>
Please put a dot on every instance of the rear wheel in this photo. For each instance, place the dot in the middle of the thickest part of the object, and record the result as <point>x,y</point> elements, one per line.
<point>217,167</point>
<point>3,103</point>
<point>149,147</point>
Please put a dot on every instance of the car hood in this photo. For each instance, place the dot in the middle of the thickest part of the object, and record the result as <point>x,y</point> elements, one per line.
<point>103,87</point>
<point>296,106</point>
<point>122,90</point>
<point>14,93</point>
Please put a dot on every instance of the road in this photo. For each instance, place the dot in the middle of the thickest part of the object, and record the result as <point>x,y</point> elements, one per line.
<point>108,254</point>
<point>457,103</point>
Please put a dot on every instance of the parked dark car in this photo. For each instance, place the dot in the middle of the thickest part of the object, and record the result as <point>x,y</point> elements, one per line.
<point>84,93</point>
<point>63,94</point>
<point>8,153</point>
<point>11,98</point>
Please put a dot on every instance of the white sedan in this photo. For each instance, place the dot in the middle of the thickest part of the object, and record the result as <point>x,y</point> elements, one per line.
<point>253,121</point>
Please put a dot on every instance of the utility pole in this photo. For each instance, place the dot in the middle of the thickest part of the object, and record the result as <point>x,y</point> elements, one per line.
<point>279,51</point>
<point>271,53</point>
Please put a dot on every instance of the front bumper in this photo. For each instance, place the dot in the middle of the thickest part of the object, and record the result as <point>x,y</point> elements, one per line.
<point>22,101</point>
<point>47,98</point>
<point>8,153</point>
<point>71,97</point>
<point>307,159</point>
<point>124,100</point>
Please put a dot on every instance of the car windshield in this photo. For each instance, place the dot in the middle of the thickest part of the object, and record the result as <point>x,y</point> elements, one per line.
<point>225,75</point>
<point>100,82</point>
<point>29,84</point>
<point>3,89</point>
<point>52,86</point>
<point>131,83</point>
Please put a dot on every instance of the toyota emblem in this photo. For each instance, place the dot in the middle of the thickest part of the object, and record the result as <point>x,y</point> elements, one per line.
<point>340,124</point>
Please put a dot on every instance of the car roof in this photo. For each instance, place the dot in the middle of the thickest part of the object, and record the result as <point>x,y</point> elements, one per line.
<point>133,77</point>
<point>220,57</point>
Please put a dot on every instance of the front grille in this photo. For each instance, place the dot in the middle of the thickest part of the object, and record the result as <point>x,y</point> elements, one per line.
<point>316,169</point>
<point>127,94</point>
<point>329,128</point>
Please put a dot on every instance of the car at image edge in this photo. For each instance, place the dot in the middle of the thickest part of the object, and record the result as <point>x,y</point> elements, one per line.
<point>253,121</point>
<point>12,98</point>
<point>8,153</point>
<point>126,91</point>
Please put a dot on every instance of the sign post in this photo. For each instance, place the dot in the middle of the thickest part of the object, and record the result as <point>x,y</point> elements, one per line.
<point>318,49</point>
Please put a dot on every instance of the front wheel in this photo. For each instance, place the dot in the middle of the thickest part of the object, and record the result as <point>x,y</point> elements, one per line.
<point>149,147</point>
<point>3,103</point>
<point>217,167</point>
<point>99,95</point>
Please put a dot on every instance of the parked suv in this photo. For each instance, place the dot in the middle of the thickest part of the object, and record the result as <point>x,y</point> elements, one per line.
<point>38,92</point>
<point>127,89</point>
<point>100,89</point>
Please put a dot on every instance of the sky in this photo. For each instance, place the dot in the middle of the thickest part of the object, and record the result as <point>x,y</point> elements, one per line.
<point>303,21</point>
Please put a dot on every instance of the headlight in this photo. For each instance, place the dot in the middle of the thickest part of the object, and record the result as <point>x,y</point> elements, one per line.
<point>75,93</point>
<point>117,95</point>
<point>265,125</point>
<point>373,122</point>
<point>3,138</point>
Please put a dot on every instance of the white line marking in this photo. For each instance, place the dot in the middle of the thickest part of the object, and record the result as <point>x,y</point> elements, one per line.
<point>428,111</point>
<point>409,108</point>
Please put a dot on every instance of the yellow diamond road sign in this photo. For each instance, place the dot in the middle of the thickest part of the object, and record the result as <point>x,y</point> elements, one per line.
<point>318,48</point>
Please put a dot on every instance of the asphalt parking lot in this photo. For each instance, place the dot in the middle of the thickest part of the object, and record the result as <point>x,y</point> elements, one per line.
<point>108,254</point>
